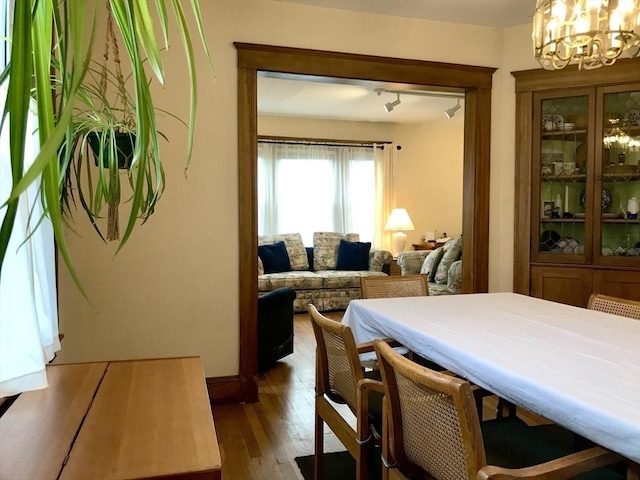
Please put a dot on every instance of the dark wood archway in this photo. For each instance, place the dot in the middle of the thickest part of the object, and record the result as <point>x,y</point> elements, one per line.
<point>476,82</point>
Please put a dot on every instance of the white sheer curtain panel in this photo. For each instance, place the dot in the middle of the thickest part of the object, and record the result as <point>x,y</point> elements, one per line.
<point>385,197</point>
<point>28,308</point>
<point>357,199</point>
<point>308,188</point>
<point>266,188</point>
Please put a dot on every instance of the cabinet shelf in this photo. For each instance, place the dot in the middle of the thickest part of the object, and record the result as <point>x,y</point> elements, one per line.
<point>562,220</point>
<point>621,220</point>
<point>572,178</point>
<point>621,176</point>
<point>562,133</point>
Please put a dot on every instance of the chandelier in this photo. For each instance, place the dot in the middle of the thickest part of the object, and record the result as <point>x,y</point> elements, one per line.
<point>615,135</point>
<point>589,33</point>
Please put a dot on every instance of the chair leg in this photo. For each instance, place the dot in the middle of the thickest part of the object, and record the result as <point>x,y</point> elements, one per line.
<point>319,447</point>
<point>386,451</point>
<point>362,462</point>
<point>505,406</point>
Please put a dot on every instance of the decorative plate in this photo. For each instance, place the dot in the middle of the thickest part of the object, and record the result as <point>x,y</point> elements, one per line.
<point>552,122</point>
<point>632,118</point>
<point>607,198</point>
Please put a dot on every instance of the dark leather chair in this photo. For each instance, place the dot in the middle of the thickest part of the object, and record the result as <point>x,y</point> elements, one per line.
<point>275,326</point>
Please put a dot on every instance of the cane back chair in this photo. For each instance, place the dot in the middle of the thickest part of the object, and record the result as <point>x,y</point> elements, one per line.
<point>394,286</point>
<point>341,379</point>
<point>432,431</point>
<point>614,305</point>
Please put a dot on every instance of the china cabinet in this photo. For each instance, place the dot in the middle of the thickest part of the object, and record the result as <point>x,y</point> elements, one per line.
<point>577,229</point>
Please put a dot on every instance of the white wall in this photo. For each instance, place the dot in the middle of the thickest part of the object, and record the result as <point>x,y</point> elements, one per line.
<point>277,126</point>
<point>428,176</point>
<point>173,290</point>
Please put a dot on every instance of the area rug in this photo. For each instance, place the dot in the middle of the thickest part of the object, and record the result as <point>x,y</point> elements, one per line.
<point>339,466</point>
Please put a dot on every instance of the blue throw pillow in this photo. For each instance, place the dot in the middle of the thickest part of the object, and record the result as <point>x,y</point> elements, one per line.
<point>274,257</point>
<point>353,255</point>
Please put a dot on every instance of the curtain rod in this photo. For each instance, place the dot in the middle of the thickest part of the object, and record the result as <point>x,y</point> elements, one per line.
<point>328,143</point>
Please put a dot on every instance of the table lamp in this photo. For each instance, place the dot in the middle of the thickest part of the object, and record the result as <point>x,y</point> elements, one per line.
<point>399,220</point>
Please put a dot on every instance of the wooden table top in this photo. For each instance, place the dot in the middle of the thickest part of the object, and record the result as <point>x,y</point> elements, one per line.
<point>148,419</point>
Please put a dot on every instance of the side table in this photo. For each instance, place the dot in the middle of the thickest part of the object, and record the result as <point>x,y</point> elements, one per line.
<point>427,245</point>
<point>392,268</point>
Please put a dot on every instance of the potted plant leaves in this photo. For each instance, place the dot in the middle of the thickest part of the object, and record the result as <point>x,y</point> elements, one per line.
<point>52,47</point>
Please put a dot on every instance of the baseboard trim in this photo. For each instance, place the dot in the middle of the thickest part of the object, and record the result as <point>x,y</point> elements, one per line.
<point>232,389</point>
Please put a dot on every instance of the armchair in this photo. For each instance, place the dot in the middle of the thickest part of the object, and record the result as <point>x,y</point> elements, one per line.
<point>275,326</point>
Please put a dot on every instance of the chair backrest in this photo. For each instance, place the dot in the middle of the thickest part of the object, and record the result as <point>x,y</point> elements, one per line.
<point>614,305</point>
<point>337,362</point>
<point>394,286</point>
<point>433,422</point>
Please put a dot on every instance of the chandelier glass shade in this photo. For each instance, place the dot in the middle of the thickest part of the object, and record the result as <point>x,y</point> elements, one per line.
<point>589,33</point>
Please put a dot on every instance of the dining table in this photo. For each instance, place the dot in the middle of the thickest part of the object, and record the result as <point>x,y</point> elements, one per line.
<point>576,367</point>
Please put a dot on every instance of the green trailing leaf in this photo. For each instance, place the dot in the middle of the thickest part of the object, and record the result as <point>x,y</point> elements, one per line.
<point>186,41</point>
<point>17,107</point>
<point>144,27</point>
<point>162,16</point>
<point>196,13</point>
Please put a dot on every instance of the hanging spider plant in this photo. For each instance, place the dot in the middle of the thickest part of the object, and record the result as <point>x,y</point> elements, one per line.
<point>70,108</point>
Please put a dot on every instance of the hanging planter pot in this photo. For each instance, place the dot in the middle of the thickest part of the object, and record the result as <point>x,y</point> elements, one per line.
<point>123,147</point>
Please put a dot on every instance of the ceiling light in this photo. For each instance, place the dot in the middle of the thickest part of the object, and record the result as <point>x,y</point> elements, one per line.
<point>589,33</point>
<point>452,111</point>
<point>391,105</point>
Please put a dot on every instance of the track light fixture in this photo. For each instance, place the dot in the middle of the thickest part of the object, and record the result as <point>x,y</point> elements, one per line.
<point>391,105</point>
<point>421,93</point>
<point>452,111</point>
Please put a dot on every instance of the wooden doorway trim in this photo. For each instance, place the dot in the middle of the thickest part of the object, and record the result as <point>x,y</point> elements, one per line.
<point>476,82</point>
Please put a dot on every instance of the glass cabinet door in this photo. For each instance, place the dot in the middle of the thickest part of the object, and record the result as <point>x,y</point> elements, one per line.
<point>563,187</point>
<point>619,227</point>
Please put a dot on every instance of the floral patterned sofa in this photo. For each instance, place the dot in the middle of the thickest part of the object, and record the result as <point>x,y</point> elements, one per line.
<point>442,266</point>
<point>313,273</point>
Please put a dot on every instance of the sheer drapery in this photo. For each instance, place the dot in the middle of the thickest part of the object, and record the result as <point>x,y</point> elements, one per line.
<point>384,159</point>
<point>28,309</point>
<point>308,188</point>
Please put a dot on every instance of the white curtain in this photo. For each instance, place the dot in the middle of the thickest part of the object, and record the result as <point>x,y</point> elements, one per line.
<point>307,188</point>
<point>384,160</point>
<point>28,308</point>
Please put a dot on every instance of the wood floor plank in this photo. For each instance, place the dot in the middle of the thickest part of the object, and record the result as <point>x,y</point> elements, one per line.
<point>260,441</point>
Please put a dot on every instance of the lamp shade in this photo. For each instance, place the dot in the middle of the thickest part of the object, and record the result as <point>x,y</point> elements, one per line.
<point>399,220</point>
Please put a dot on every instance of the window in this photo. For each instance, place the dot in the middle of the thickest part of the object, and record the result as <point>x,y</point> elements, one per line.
<point>307,188</point>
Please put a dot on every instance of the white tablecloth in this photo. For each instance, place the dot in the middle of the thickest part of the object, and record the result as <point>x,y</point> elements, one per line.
<point>576,367</point>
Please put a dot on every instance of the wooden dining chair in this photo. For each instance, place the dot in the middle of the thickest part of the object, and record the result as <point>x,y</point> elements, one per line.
<point>340,378</point>
<point>614,305</point>
<point>417,286</point>
<point>394,286</point>
<point>432,431</point>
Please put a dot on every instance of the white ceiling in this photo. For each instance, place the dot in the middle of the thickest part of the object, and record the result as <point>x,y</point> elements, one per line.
<point>495,13</point>
<point>359,102</point>
<point>294,98</point>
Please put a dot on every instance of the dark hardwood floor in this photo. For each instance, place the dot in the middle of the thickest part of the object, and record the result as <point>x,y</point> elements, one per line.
<point>259,441</point>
